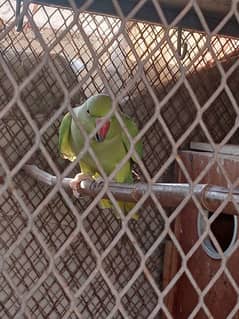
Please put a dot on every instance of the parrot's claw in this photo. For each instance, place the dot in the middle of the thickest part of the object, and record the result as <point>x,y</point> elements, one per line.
<point>75,183</point>
<point>76,194</point>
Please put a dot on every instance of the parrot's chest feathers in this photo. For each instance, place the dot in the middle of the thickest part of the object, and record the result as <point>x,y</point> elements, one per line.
<point>109,153</point>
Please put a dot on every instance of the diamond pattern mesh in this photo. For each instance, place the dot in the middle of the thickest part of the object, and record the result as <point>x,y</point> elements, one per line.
<point>67,258</point>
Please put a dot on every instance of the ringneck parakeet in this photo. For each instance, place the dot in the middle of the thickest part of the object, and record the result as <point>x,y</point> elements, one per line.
<point>110,143</point>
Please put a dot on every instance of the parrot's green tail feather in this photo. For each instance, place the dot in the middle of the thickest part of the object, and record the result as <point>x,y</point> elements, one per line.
<point>105,203</point>
<point>125,207</point>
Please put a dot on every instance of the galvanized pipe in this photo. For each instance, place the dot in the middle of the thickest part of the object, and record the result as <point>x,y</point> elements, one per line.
<point>169,194</point>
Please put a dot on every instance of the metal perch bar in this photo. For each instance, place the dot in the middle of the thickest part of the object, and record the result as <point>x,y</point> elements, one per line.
<point>170,195</point>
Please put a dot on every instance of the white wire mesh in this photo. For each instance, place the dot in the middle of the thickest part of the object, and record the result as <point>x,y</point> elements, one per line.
<point>67,258</point>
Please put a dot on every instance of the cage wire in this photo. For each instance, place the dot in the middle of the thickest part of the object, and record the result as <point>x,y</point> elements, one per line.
<point>67,258</point>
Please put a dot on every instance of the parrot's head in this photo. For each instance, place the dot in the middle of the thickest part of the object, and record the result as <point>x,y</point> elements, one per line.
<point>98,107</point>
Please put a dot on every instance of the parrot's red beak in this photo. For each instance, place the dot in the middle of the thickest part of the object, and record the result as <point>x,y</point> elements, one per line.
<point>102,132</point>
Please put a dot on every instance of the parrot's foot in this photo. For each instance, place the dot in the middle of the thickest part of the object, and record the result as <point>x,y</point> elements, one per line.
<point>75,183</point>
<point>99,180</point>
<point>136,175</point>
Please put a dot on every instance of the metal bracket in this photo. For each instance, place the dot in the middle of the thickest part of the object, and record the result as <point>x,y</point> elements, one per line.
<point>181,47</point>
<point>19,14</point>
<point>19,17</point>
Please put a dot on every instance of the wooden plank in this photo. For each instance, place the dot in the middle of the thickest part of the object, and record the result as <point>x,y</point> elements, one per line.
<point>221,297</point>
<point>206,147</point>
<point>170,267</point>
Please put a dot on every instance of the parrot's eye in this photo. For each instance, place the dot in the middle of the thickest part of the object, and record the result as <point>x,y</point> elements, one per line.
<point>88,111</point>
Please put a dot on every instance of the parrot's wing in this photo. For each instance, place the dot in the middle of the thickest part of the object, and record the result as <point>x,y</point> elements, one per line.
<point>65,147</point>
<point>133,131</point>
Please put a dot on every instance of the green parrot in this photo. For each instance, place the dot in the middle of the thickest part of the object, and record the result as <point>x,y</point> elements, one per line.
<point>110,143</point>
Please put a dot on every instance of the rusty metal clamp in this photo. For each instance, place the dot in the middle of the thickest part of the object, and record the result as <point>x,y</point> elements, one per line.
<point>203,196</point>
